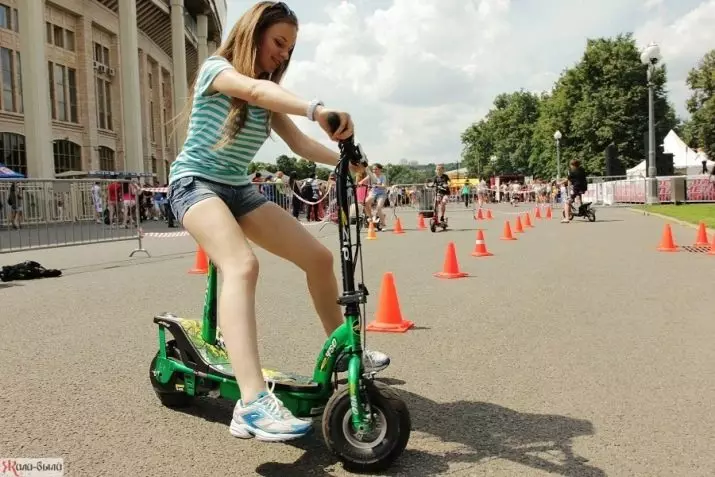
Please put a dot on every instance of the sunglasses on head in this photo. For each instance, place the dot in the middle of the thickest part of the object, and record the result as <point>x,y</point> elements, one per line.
<point>283,6</point>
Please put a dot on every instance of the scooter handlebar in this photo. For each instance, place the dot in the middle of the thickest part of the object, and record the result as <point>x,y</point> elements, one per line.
<point>352,151</point>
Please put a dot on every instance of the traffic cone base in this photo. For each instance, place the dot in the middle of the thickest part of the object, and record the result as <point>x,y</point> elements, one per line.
<point>201,263</point>
<point>389,317</point>
<point>667,244</point>
<point>480,246</point>
<point>451,266</point>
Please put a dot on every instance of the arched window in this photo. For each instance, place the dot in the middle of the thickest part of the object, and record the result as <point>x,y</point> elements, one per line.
<point>12,152</point>
<point>68,156</point>
<point>106,159</point>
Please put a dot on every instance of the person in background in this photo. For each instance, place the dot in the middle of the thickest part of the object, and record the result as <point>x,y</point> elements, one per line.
<point>466,192</point>
<point>579,184</point>
<point>14,200</point>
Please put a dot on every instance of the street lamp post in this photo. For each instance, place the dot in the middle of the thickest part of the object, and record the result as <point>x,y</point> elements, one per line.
<point>650,57</point>
<point>557,136</point>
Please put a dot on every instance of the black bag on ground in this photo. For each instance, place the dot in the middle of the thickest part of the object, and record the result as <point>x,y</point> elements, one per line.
<point>27,271</point>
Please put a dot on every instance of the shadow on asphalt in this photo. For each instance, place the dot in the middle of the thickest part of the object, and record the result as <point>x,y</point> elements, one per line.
<point>483,431</point>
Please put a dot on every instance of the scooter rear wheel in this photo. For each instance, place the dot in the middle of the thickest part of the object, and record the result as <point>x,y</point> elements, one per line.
<point>377,451</point>
<point>168,393</point>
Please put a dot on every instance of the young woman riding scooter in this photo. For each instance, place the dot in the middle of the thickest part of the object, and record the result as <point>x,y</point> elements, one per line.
<point>235,103</point>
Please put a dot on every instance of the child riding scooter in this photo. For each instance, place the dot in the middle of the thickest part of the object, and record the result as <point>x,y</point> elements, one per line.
<point>440,182</point>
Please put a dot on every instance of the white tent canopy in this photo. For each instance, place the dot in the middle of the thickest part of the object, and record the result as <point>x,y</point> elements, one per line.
<point>685,160</point>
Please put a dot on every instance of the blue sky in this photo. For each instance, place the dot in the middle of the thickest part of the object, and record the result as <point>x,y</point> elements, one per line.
<point>415,73</point>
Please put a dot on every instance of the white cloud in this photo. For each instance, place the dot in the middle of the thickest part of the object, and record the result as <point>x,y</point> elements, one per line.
<point>683,42</point>
<point>415,73</point>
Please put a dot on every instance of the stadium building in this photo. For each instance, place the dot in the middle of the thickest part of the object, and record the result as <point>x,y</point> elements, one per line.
<point>93,85</point>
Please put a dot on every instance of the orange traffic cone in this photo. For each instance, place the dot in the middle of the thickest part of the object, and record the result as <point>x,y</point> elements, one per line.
<point>371,232</point>
<point>537,213</point>
<point>527,220</point>
<point>712,247</point>
<point>389,317</point>
<point>518,228</point>
<point>489,214</point>
<point>451,267</point>
<point>702,237</point>
<point>201,263</point>
<point>666,243</point>
<point>506,235</point>
<point>398,227</point>
<point>479,215</point>
<point>421,222</point>
<point>480,246</point>
<point>548,212</point>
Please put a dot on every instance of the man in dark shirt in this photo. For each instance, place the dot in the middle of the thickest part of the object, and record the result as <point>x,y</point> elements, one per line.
<point>579,184</point>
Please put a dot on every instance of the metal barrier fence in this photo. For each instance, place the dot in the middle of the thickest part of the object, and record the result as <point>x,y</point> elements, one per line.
<point>48,213</point>
<point>65,212</point>
<point>622,190</point>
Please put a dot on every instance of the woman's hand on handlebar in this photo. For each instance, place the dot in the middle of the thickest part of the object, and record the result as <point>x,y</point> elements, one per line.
<point>344,131</point>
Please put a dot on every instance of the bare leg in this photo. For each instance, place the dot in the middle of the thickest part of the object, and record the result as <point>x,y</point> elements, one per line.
<point>274,230</point>
<point>214,227</point>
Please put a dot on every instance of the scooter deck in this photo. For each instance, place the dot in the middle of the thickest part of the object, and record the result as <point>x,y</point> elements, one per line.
<point>214,358</point>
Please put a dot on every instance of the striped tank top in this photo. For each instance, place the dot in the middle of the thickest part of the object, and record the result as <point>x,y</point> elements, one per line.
<point>199,157</point>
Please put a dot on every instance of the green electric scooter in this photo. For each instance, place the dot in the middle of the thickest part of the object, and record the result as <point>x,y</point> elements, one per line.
<point>365,424</point>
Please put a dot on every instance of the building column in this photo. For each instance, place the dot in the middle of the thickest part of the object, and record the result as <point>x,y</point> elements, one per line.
<point>146,108</point>
<point>36,92</point>
<point>202,23</point>
<point>131,99</point>
<point>178,47</point>
<point>87,90</point>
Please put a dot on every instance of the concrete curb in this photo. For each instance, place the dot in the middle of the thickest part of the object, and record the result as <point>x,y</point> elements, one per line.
<point>671,219</point>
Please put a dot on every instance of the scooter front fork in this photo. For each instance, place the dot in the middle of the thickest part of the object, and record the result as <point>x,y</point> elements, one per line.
<point>359,405</point>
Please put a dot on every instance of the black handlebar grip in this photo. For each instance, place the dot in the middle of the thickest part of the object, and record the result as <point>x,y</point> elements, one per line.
<point>333,122</point>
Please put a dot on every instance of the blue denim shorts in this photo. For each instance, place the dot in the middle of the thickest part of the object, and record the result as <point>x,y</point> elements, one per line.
<point>187,191</point>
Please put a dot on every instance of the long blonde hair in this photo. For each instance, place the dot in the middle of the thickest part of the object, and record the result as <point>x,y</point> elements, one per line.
<point>241,50</point>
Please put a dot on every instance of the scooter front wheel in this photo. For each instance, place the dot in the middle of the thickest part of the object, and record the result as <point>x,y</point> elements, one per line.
<point>376,451</point>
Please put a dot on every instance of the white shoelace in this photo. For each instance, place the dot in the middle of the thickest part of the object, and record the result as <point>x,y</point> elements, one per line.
<point>274,405</point>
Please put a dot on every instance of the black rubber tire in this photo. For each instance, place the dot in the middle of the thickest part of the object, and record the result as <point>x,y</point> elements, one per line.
<point>381,456</point>
<point>167,393</point>
<point>432,226</point>
<point>591,216</point>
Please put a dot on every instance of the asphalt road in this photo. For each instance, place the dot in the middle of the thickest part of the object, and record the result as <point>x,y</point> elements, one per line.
<point>577,350</point>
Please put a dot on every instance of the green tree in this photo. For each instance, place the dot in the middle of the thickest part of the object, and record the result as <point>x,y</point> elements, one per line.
<point>700,130</point>
<point>323,172</point>
<point>505,135</point>
<point>259,166</point>
<point>602,99</point>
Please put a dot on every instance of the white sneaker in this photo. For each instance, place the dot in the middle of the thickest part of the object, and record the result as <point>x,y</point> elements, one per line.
<point>267,419</point>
